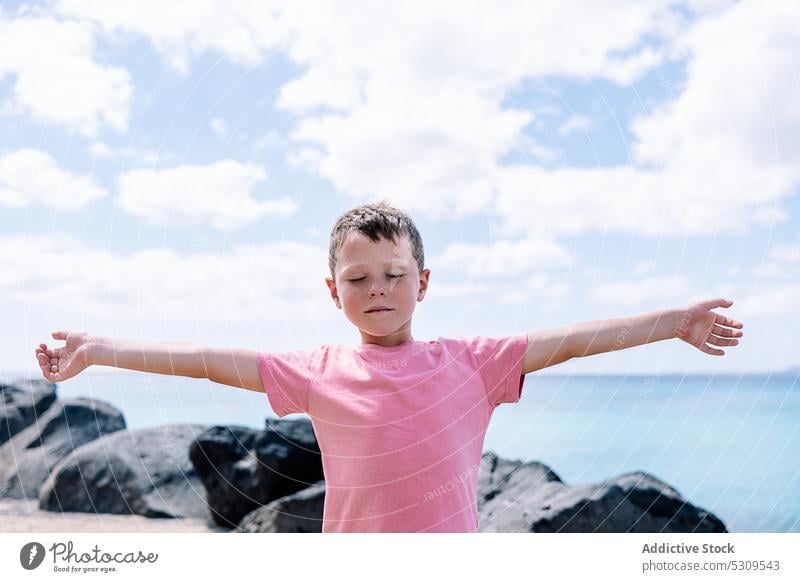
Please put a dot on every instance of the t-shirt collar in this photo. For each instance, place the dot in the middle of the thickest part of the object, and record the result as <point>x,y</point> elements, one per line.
<point>367,347</point>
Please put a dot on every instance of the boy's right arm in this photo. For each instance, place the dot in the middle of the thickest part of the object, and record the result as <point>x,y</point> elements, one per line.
<point>236,367</point>
<point>231,366</point>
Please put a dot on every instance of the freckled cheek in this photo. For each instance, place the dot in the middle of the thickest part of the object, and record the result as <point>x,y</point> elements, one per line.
<point>351,299</point>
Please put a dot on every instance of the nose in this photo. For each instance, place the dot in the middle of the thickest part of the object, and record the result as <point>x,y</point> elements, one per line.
<point>373,292</point>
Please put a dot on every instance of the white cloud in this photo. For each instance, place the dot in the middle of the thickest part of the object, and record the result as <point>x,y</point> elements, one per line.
<point>501,46</point>
<point>575,123</point>
<point>466,289</point>
<point>31,176</point>
<point>767,270</point>
<point>677,201</point>
<point>219,127</point>
<point>772,299</point>
<point>271,139</point>
<point>784,259</point>
<point>268,283</point>
<point>738,97</point>
<point>103,151</point>
<point>243,30</point>
<point>543,291</point>
<point>719,158</point>
<point>57,80</point>
<point>385,108</point>
<point>502,257</point>
<point>218,194</point>
<point>665,290</point>
<point>769,216</point>
<point>785,253</point>
<point>418,121</point>
<point>393,146</point>
<point>434,146</point>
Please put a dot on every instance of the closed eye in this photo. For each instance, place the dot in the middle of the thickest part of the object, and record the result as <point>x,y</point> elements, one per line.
<point>362,278</point>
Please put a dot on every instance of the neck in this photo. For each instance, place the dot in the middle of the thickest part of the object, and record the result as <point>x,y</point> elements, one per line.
<point>387,341</point>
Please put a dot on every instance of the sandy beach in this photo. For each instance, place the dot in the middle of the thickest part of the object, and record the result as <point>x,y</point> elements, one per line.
<point>21,516</point>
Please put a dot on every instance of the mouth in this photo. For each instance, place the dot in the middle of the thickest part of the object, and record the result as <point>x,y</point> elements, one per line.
<point>379,310</point>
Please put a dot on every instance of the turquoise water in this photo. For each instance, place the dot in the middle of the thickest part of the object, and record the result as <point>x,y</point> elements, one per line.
<point>729,444</point>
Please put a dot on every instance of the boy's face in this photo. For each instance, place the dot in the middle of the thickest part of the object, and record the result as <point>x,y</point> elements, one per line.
<point>378,274</point>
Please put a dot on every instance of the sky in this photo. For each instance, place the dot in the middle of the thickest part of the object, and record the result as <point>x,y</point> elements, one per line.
<point>171,171</point>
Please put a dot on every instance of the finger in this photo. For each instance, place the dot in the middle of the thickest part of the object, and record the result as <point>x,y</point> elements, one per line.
<point>722,320</point>
<point>712,351</point>
<point>47,374</point>
<point>60,335</point>
<point>721,341</point>
<point>44,364</point>
<point>719,302</point>
<point>725,331</point>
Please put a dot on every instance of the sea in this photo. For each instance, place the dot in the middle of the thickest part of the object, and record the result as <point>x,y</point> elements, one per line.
<point>729,444</point>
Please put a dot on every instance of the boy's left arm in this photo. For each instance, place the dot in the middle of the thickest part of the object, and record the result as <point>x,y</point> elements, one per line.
<point>695,324</point>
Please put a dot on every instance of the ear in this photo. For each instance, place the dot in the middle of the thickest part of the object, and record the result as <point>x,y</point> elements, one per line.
<point>334,292</point>
<point>424,278</point>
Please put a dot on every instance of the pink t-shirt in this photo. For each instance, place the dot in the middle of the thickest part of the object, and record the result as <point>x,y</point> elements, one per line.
<point>400,429</point>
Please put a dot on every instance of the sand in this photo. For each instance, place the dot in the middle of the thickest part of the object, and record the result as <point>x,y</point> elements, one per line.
<point>21,516</point>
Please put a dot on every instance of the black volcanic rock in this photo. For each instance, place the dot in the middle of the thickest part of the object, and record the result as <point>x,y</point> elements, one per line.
<point>300,512</point>
<point>529,497</point>
<point>145,472</point>
<point>243,469</point>
<point>21,403</point>
<point>27,458</point>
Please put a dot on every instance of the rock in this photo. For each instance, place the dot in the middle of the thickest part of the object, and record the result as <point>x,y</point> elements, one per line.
<point>497,475</point>
<point>145,472</point>
<point>529,497</point>
<point>300,512</point>
<point>22,403</point>
<point>243,469</point>
<point>27,458</point>
<point>504,489</point>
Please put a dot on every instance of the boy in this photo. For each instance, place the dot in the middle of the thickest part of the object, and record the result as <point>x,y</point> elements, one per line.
<point>400,422</point>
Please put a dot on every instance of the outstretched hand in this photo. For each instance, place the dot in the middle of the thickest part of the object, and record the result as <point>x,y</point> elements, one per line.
<point>700,326</point>
<point>59,364</point>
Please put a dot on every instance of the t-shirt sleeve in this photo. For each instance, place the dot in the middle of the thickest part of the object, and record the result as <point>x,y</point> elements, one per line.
<point>287,378</point>
<point>499,361</point>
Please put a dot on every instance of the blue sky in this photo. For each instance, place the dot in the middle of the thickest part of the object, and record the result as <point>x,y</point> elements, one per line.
<point>173,176</point>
